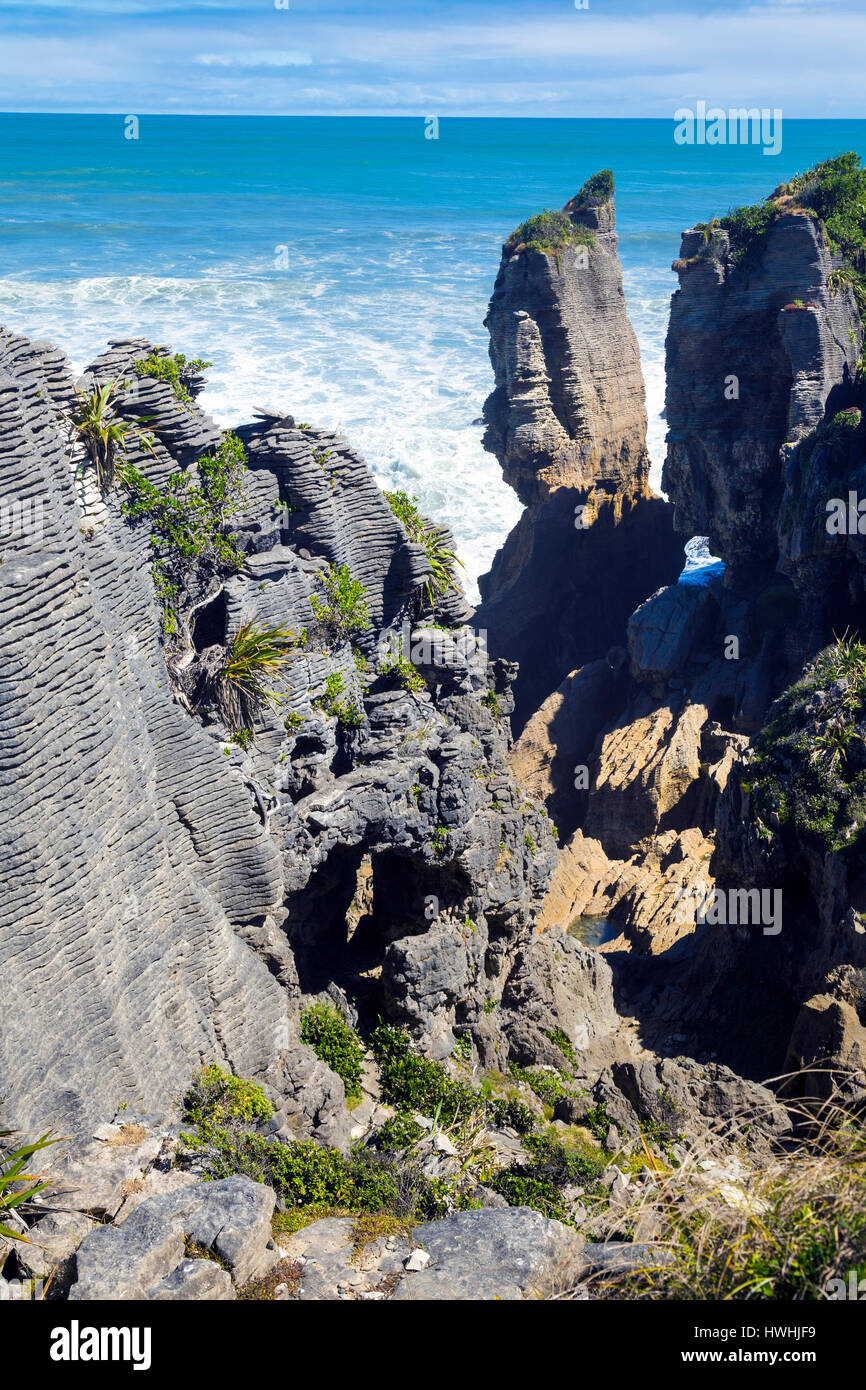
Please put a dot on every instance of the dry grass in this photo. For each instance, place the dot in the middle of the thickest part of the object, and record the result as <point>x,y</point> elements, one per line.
<point>782,1227</point>
<point>286,1272</point>
<point>127,1135</point>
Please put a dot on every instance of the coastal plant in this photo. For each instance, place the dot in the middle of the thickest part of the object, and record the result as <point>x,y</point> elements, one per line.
<point>255,657</point>
<point>104,433</point>
<point>216,1096</point>
<point>551,1165</point>
<point>441,556</point>
<point>189,521</point>
<point>795,1230</point>
<point>345,610</point>
<point>404,672</point>
<point>834,193</point>
<point>349,713</point>
<point>174,369</point>
<point>598,189</point>
<point>13,1196</point>
<point>411,1082</point>
<point>307,1176</point>
<point>549,232</point>
<point>807,768</point>
<point>335,1043</point>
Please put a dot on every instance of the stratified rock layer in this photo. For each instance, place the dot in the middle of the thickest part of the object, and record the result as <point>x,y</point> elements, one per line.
<point>567,422</point>
<point>171,892</point>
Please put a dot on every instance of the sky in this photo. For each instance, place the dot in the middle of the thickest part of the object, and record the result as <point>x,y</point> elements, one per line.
<point>432,57</point>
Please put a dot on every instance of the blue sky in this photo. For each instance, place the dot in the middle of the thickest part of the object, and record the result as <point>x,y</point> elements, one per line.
<point>424,57</point>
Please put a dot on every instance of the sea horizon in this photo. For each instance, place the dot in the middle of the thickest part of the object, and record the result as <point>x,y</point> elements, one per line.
<point>340,266</point>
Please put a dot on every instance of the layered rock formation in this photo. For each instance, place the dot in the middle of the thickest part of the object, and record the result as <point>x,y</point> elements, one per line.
<point>642,755</point>
<point>567,421</point>
<point>170,894</point>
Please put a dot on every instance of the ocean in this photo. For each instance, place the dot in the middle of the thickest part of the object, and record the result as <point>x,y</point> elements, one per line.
<point>340,268</point>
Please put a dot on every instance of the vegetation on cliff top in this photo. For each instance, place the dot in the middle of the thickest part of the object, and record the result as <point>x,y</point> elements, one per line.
<point>808,767</point>
<point>598,189</point>
<point>549,232</point>
<point>834,192</point>
<point>104,433</point>
<point>175,369</point>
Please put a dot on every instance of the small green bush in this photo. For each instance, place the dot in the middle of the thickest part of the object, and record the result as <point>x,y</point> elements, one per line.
<point>348,712</point>
<point>401,1131</point>
<point>404,672</point>
<point>176,370</point>
<point>217,1097</point>
<point>441,557</point>
<point>336,1043</point>
<point>549,232</point>
<point>538,1181</point>
<point>412,1082</point>
<point>599,188</point>
<point>189,522</point>
<point>345,611</point>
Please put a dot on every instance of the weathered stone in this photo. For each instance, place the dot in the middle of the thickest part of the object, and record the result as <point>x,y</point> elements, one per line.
<point>230,1217</point>
<point>510,1254</point>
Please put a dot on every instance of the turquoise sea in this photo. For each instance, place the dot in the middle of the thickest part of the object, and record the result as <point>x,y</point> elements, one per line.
<point>341,267</point>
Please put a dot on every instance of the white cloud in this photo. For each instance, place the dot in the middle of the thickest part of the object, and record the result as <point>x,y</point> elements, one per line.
<point>805,58</point>
<point>255,58</point>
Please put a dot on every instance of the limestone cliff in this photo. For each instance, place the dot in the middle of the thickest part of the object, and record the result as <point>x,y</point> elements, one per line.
<point>683,787</point>
<point>170,890</point>
<point>567,421</point>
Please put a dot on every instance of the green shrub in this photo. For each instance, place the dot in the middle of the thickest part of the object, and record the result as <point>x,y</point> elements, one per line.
<point>549,232</point>
<point>491,702</point>
<point>346,609</point>
<point>441,557</point>
<point>218,1097</point>
<point>347,712</point>
<point>189,522</point>
<point>176,370</point>
<point>538,1181</point>
<point>401,1131</point>
<point>747,227</point>
<point>440,840</point>
<point>412,1082</point>
<point>507,1113</point>
<point>336,1043</point>
<point>834,191</point>
<point>598,189</point>
<point>404,672</point>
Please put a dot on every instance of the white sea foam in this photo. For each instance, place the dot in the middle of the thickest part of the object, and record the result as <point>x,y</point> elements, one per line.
<point>396,363</point>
